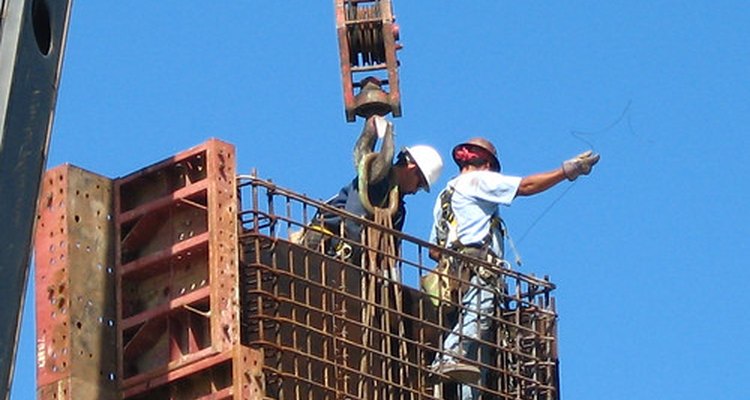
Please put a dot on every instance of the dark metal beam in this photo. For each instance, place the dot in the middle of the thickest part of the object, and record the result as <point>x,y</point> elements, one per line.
<point>32,40</point>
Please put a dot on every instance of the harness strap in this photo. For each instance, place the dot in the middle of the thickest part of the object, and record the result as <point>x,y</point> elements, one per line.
<point>448,221</point>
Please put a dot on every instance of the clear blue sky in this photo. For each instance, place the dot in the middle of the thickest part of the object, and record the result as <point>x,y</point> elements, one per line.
<point>648,252</point>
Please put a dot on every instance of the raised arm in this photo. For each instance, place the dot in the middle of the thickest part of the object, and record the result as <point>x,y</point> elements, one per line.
<point>374,128</point>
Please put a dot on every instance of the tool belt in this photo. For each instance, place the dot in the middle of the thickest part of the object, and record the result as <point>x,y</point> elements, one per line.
<point>315,236</point>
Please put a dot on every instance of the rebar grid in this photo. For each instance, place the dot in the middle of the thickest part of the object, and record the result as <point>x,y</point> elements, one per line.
<point>306,307</point>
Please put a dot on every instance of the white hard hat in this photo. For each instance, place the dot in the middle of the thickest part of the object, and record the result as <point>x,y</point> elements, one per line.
<point>429,162</point>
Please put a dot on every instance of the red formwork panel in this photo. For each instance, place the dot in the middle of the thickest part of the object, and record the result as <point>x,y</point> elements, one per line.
<point>176,264</point>
<point>74,284</point>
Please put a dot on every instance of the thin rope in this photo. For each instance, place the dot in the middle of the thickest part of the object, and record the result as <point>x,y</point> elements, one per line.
<point>625,113</point>
<point>546,210</point>
<point>578,135</point>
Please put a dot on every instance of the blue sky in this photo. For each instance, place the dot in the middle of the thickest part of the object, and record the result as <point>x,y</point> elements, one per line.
<point>648,252</point>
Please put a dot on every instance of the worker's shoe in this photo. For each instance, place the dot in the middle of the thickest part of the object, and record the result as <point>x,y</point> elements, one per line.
<point>458,372</point>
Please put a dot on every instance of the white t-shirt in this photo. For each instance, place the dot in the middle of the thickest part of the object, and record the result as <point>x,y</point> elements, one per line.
<point>475,200</point>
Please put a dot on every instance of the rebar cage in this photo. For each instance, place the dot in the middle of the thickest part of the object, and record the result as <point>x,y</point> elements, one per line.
<point>334,328</point>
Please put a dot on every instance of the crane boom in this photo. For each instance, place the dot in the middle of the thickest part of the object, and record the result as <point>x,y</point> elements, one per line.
<point>32,40</point>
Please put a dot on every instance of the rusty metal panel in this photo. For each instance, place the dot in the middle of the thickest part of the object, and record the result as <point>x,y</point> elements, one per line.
<point>177,279</point>
<point>74,256</point>
<point>249,381</point>
<point>32,42</point>
<point>223,253</point>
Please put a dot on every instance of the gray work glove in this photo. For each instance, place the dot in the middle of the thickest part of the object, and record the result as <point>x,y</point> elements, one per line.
<point>579,165</point>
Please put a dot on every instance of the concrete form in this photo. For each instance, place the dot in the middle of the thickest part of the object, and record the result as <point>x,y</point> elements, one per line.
<point>159,279</point>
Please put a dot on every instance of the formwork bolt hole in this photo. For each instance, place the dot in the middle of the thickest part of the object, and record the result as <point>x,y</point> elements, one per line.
<point>79,325</point>
<point>77,218</point>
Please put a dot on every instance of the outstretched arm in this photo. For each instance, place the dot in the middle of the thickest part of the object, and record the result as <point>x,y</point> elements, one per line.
<point>570,170</point>
<point>540,182</point>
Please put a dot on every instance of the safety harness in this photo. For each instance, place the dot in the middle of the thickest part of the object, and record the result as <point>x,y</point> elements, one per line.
<point>450,277</point>
<point>447,227</point>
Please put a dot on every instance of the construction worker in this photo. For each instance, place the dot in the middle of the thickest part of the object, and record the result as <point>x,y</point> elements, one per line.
<point>387,182</point>
<point>467,220</point>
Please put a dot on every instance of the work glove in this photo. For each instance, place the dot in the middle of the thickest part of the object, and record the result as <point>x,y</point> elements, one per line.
<point>381,125</point>
<point>579,165</point>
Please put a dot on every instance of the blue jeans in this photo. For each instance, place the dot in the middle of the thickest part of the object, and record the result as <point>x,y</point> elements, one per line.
<point>478,306</point>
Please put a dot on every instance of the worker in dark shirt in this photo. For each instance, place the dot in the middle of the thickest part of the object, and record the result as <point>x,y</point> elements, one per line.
<point>380,183</point>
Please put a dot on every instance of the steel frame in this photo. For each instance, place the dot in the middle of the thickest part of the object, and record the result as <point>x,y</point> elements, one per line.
<point>137,283</point>
<point>177,282</point>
